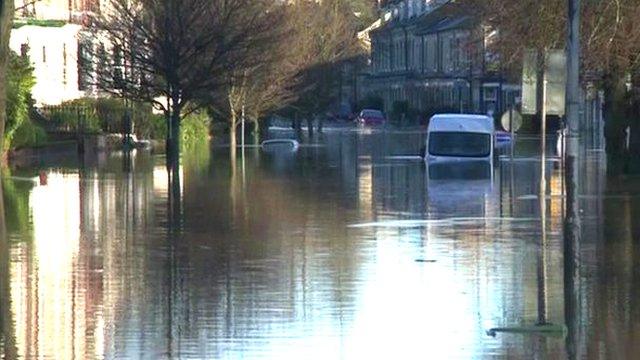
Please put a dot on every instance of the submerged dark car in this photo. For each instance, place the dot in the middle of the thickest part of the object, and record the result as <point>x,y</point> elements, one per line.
<point>371,117</point>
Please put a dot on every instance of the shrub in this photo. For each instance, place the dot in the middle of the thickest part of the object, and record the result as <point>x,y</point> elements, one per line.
<point>28,134</point>
<point>195,127</point>
<point>71,115</point>
<point>110,112</point>
<point>20,81</point>
<point>150,126</point>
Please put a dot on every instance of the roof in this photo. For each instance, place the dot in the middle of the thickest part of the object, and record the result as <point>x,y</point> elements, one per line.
<point>447,16</point>
<point>462,123</point>
<point>447,23</point>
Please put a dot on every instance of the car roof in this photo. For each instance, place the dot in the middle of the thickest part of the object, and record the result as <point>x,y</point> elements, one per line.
<point>462,122</point>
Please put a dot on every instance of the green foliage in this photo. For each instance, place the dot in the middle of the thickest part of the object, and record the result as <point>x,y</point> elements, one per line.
<point>75,114</point>
<point>110,113</point>
<point>37,22</point>
<point>28,135</point>
<point>150,126</point>
<point>107,115</point>
<point>195,127</point>
<point>196,155</point>
<point>16,204</point>
<point>20,81</point>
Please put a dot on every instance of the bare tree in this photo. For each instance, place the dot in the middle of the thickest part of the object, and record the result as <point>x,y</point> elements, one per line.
<point>265,84</point>
<point>171,52</point>
<point>298,69</point>
<point>610,30</point>
<point>6,23</point>
<point>610,40</point>
<point>327,32</point>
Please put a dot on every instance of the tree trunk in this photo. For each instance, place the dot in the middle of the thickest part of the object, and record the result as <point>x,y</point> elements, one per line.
<point>297,124</point>
<point>6,23</point>
<point>310,125</point>
<point>175,195</point>
<point>633,106</point>
<point>256,131</point>
<point>173,143</point>
<point>615,123</point>
<point>233,142</point>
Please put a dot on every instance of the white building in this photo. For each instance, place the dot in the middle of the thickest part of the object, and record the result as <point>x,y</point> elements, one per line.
<point>49,32</point>
<point>54,54</point>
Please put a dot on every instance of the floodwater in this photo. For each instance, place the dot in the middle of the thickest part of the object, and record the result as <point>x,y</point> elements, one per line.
<point>348,249</point>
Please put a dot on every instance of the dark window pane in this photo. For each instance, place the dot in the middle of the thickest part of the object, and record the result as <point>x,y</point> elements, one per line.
<point>461,144</point>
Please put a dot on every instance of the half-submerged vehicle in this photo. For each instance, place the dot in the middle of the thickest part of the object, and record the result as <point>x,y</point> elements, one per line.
<point>460,137</point>
<point>280,145</point>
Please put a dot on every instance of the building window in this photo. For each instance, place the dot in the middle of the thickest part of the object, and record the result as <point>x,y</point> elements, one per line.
<point>84,67</point>
<point>455,53</point>
<point>102,68</point>
<point>64,64</point>
<point>490,94</point>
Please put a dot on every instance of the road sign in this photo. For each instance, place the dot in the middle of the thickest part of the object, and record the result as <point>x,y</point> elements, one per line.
<point>556,74</point>
<point>511,118</point>
<point>530,82</point>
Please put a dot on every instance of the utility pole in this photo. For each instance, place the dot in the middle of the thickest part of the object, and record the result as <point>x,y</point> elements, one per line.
<point>573,67</point>
<point>572,221</point>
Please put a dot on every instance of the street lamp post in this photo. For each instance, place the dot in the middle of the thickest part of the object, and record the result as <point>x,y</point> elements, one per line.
<point>573,67</point>
<point>572,226</point>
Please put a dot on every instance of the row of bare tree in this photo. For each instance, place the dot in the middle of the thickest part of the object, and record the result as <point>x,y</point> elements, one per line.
<point>610,34</point>
<point>225,56</point>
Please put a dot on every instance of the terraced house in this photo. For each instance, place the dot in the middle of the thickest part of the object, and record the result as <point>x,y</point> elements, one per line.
<point>433,56</point>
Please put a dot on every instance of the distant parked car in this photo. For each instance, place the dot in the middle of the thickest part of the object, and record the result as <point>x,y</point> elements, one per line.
<point>371,117</point>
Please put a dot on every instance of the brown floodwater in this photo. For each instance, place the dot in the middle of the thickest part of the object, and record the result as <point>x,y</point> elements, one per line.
<point>347,249</point>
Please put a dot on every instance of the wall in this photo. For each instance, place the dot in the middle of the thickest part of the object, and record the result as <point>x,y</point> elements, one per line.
<point>53,53</point>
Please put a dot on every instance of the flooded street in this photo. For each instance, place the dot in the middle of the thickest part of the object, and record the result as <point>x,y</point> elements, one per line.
<point>348,249</point>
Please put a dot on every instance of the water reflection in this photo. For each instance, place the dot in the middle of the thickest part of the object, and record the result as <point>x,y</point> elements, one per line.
<point>337,251</point>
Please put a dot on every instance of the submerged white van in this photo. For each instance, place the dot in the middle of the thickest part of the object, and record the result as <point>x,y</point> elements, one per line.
<point>460,137</point>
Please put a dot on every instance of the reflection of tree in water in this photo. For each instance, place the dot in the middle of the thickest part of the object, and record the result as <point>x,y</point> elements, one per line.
<point>15,223</point>
<point>260,247</point>
<point>612,310</point>
<point>7,340</point>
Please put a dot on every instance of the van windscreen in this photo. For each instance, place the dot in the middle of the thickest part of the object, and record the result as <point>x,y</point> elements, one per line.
<point>459,144</point>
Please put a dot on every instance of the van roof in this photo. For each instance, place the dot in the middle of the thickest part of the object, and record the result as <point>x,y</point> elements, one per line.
<point>462,122</point>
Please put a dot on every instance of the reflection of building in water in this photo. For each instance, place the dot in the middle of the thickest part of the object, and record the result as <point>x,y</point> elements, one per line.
<point>68,282</point>
<point>44,289</point>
